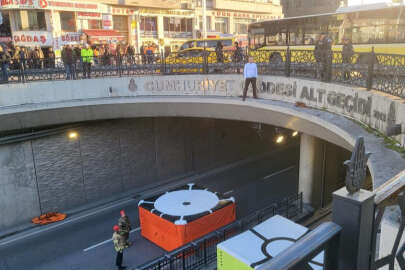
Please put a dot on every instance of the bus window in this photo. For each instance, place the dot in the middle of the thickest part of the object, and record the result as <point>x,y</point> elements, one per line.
<point>201,44</point>
<point>187,45</point>
<point>227,42</point>
<point>212,43</point>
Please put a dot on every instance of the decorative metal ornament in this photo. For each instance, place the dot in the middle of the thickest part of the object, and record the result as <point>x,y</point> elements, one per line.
<point>356,167</point>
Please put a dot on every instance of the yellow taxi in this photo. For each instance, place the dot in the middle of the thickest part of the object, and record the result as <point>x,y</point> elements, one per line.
<point>193,60</point>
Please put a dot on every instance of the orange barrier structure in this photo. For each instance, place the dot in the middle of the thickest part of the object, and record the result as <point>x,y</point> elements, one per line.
<point>48,218</point>
<point>180,216</point>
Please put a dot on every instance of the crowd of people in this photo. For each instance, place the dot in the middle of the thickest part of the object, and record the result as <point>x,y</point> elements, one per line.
<point>82,58</point>
<point>17,58</point>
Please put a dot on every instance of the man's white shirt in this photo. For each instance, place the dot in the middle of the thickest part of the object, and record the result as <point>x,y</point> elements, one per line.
<point>250,70</point>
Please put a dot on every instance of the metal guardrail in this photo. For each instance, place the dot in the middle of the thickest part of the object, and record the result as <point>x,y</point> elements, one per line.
<point>204,250</point>
<point>325,238</point>
<point>381,72</point>
<point>388,194</point>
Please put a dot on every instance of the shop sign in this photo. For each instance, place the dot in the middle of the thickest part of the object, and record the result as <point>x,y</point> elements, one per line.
<point>69,38</point>
<point>5,39</point>
<point>122,11</point>
<point>32,38</point>
<point>88,15</point>
<point>50,4</point>
<point>166,12</point>
<point>240,15</point>
<point>107,22</point>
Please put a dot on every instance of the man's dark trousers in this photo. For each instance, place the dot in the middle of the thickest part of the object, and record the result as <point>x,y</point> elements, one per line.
<point>247,82</point>
<point>86,69</point>
<point>118,260</point>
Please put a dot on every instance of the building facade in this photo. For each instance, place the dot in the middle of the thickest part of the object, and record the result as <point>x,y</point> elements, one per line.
<point>294,8</point>
<point>167,23</point>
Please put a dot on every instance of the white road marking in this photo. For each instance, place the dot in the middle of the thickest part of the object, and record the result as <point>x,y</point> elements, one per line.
<point>55,225</point>
<point>106,241</point>
<point>228,192</point>
<point>279,172</point>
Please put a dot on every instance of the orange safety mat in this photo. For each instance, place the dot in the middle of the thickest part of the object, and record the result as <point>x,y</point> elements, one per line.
<point>48,218</point>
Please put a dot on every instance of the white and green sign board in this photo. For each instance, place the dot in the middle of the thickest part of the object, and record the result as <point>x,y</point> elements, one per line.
<point>260,244</point>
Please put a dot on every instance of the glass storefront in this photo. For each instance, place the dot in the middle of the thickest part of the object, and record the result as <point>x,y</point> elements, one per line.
<point>178,27</point>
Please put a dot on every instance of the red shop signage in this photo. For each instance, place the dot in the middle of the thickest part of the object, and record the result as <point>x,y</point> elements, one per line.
<point>30,38</point>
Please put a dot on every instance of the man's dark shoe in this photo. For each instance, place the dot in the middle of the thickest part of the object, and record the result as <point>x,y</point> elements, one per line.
<point>122,267</point>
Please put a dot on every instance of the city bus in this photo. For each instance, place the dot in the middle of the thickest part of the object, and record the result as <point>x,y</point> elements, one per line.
<point>379,26</point>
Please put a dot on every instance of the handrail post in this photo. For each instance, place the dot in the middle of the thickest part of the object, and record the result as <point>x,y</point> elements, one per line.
<point>119,64</point>
<point>183,260</point>
<point>288,62</point>
<point>370,71</point>
<point>205,69</point>
<point>205,251</point>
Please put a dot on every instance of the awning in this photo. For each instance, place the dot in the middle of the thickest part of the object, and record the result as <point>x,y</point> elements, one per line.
<point>103,36</point>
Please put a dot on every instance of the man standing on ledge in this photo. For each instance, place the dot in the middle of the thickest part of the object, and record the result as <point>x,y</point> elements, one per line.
<point>250,74</point>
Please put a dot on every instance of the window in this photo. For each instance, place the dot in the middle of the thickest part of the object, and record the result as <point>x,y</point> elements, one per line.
<point>208,19</point>
<point>221,25</point>
<point>5,30</point>
<point>241,25</point>
<point>67,21</point>
<point>178,27</point>
<point>120,23</point>
<point>94,24</point>
<point>148,26</point>
<point>208,3</point>
<point>30,20</point>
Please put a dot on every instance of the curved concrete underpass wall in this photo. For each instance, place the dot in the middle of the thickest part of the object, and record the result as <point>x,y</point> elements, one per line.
<point>373,108</point>
<point>55,173</point>
<point>322,112</point>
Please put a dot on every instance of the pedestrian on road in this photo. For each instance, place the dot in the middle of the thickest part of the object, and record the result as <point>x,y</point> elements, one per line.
<point>250,74</point>
<point>119,246</point>
<point>347,54</point>
<point>219,52</point>
<point>50,61</point>
<point>125,227</point>
<point>324,46</point>
<point>67,58</point>
<point>87,58</point>
<point>5,61</point>
<point>237,56</point>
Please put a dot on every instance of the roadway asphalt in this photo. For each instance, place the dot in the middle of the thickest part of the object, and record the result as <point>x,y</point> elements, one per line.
<point>85,243</point>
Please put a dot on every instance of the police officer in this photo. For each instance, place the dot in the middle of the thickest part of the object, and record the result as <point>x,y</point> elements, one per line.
<point>125,227</point>
<point>119,246</point>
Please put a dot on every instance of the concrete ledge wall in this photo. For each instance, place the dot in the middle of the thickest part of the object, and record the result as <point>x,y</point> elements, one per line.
<point>370,107</point>
<point>56,173</point>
